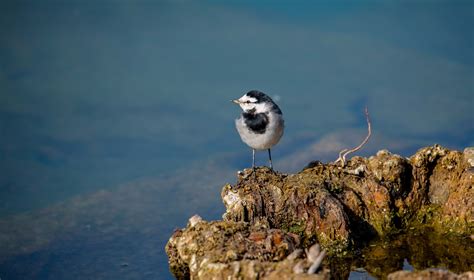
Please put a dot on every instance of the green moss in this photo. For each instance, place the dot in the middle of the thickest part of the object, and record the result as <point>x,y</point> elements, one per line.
<point>425,215</point>
<point>297,228</point>
<point>335,189</point>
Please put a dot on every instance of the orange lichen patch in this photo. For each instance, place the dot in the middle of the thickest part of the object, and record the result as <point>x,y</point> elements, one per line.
<point>277,238</point>
<point>380,198</point>
<point>257,236</point>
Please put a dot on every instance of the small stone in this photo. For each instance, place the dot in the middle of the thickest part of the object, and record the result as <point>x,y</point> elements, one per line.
<point>299,268</point>
<point>383,152</point>
<point>358,171</point>
<point>295,254</point>
<point>469,155</point>
<point>313,252</point>
<point>194,220</point>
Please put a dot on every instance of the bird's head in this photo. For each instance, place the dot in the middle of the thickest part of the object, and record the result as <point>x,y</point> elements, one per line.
<point>256,102</point>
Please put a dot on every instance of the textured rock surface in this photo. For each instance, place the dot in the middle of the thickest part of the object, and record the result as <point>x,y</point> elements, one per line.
<point>268,215</point>
<point>219,250</point>
<point>293,203</point>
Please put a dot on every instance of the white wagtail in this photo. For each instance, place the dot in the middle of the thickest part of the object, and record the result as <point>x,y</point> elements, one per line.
<point>261,123</point>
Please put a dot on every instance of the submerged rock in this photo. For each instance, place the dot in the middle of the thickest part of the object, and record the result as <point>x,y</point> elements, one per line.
<point>430,274</point>
<point>270,215</point>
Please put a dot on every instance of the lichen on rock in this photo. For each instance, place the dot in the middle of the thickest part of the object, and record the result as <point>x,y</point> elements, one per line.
<point>269,215</point>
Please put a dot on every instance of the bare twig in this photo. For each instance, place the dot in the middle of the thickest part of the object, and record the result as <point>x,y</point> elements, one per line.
<point>345,152</point>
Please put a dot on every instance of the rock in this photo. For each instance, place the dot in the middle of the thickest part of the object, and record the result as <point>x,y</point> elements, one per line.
<point>442,192</point>
<point>468,155</point>
<point>287,202</point>
<point>194,220</point>
<point>269,215</point>
<point>223,249</point>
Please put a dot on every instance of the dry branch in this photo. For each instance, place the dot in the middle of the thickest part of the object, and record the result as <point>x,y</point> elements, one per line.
<point>345,152</point>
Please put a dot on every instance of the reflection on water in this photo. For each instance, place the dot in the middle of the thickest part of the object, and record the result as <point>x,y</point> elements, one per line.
<point>414,250</point>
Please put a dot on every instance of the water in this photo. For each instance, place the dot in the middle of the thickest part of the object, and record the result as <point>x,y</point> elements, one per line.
<point>413,250</point>
<point>116,125</point>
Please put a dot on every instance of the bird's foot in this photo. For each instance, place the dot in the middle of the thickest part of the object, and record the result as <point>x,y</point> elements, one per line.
<point>254,173</point>
<point>251,173</point>
<point>247,172</point>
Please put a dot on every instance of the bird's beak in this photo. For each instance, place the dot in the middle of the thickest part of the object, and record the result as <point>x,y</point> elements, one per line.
<point>236,101</point>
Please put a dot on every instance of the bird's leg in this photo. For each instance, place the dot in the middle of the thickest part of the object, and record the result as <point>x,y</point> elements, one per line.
<point>270,157</point>
<point>253,160</point>
<point>253,165</point>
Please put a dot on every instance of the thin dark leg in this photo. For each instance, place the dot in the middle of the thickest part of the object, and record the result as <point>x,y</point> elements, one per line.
<point>270,157</point>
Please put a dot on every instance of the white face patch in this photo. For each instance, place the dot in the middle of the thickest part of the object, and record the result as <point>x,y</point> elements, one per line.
<point>247,99</point>
<point>248,103</point>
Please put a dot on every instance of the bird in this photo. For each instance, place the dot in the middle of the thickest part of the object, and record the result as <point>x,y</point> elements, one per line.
<point>261,123</point>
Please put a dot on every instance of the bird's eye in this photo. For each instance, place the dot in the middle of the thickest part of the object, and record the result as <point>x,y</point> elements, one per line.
<point>248,102</point>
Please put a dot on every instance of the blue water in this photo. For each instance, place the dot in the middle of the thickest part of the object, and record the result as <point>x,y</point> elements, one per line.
<point>116,125</point>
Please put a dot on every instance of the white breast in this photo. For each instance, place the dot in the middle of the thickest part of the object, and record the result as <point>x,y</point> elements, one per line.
<point>263,141</point>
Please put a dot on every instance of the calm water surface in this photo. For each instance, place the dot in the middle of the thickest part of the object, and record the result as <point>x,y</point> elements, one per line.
<point>116,125</point>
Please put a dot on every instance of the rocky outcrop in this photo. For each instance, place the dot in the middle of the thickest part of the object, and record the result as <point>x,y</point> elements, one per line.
<point>269,215</point>
<point>223,249</point>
